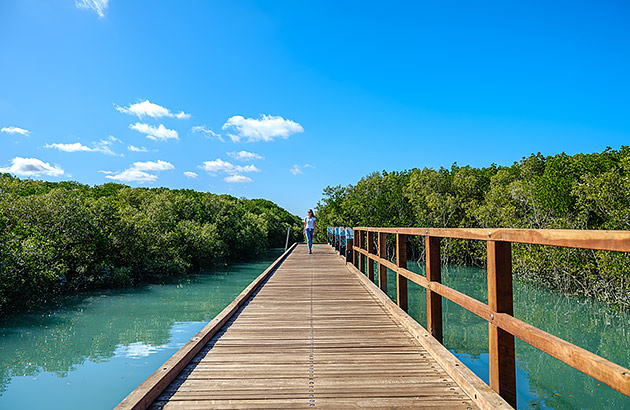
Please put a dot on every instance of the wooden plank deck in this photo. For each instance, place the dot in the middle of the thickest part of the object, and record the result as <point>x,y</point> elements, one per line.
<point>313,336</point>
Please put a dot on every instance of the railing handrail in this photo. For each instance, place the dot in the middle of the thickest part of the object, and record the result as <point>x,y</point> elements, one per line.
<point>569,238</point>
<point>498,312</point>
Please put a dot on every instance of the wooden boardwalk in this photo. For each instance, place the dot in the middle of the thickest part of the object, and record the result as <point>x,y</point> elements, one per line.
<point>313,336</point>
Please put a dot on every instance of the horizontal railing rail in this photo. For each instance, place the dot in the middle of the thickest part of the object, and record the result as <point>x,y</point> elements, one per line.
<point>370,245</point>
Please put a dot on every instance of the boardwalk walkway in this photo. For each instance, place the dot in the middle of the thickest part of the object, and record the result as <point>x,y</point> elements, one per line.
<point>314,336</point>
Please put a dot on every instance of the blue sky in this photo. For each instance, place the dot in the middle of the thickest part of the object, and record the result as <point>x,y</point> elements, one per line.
<point>279,99</point>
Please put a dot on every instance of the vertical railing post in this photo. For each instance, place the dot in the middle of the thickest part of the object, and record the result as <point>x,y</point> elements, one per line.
<point>401,262</point>
<point>382,269</point>
<point>370,249</point>
<point>501,343</point>
<point>349,251</point>
<point>434,300</point>
<point>361,256</point>
<point>355,254</point>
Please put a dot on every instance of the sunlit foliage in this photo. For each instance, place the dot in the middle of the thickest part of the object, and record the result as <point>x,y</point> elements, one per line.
<point>584,191</point>
<point>66,237</point>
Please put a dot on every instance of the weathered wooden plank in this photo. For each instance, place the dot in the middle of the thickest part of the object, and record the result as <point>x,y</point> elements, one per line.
<point>151,388</point>
<point>313,332</point>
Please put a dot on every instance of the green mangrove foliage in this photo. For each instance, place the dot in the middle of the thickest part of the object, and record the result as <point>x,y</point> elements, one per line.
<point>60,238</point>
<point>583,191</point>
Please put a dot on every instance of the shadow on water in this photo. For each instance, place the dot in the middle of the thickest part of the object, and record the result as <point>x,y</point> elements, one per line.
<point>542,381</point>
<point>102,335</point>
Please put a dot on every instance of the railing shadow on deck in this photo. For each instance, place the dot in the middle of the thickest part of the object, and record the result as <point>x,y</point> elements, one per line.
<point>371,242</point>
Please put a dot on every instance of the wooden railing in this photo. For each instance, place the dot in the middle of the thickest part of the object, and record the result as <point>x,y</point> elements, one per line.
<point>498,312</point>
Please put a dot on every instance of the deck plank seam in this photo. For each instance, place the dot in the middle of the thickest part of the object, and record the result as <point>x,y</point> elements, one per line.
<point>168,393</point>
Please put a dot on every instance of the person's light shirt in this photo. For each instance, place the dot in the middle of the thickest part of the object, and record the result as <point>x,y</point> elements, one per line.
<point>310,223</point>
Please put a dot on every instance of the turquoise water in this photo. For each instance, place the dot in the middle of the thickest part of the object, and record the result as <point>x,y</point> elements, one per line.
<point>543,382</point>
<point>99,347</point>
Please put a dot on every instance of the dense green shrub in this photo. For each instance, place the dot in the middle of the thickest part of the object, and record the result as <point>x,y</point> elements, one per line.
<point>66,237</point>
<point>584,191</point>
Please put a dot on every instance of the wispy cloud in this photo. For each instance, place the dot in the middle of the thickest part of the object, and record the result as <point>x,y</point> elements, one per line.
<point>153,166</point>
<point>140,172</point>
<point>74,147</point>
<point>147,109</point>
<point>190,174</point>
<point>31,167</point>
<point>207,132</point>
<point>244,156</point>
<point>160,133</point>
<point>15,130</point>
<point>99,6</point>
<point>266,128</point>
<point>299,169</point>
<point>137,149</point>
<point>237,179</point>
<point>218,165</point>
<point>104,146</point>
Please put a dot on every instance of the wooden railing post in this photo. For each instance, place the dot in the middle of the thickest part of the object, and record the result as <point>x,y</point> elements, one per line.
<point>401,262</point>
<point>355,254</point>
<point>361,256</point>
<point>434,274</point>
<point>349,251</point>
<point>500,300</point>
<point>382,269</point>
<point>370,249</point>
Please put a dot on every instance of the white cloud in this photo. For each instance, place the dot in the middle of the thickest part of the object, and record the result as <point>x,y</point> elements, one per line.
<point>218,165</point>
<point>136,149</point>
<point>147,108</point>
<point>246,168</point>
<point>237,179</point>
<point>207,132</point>
<point>76,147</point>
<point>103,146</point>
<point>30,167</point>
<point>133,175</point>
<point>297,169</point>
<point>140,172</point>
<point>161,133</point>
<point>153,166</point>
<point>244,156</point>
<point>15,130</point>
<point>99,6</point>
<point>190,174</point>
<point>266,128</point>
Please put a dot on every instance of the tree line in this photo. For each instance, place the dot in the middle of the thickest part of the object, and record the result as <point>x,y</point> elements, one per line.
<point>583,191</point>
<point>65,237</point>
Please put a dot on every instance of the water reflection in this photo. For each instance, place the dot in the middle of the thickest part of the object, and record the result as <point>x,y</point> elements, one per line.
<point>542,381</point>
<point>105,333</point>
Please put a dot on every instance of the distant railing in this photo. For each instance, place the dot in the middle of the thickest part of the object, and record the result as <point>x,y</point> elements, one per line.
<point>341,238</point>
<point>498,312</point>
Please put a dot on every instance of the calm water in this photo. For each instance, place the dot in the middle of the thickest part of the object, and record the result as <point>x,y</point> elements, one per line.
<point>99,347</point>
<point>542,381</point>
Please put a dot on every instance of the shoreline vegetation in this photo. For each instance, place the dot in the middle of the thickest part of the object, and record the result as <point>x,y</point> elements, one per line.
<point>62,238</point>
<point>583,191</point>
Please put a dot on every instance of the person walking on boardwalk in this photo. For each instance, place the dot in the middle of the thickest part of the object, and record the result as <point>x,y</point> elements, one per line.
<point>309,228</point>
